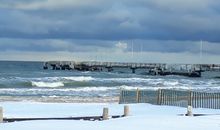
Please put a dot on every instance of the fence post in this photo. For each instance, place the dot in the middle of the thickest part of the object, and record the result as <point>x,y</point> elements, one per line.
<point>190,96</point>
<point>105,114</point>
<point>1,114</point>
<point>126,110</point>
<point>159,97</point>
<point>121,96</point>
<point>137,95</point>
<point>218,98</point>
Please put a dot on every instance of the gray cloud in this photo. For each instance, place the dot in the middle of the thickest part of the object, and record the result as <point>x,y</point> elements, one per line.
<point>111,20</point>
<point>165,26</point>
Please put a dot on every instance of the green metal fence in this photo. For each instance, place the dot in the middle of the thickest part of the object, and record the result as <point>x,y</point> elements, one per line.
<point>172,98</point>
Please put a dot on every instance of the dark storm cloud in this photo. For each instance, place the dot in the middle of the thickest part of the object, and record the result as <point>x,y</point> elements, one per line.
<point>172,23</point>
<point>111,20</point>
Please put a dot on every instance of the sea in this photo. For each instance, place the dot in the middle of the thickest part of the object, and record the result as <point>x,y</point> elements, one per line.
<point>28,81</point>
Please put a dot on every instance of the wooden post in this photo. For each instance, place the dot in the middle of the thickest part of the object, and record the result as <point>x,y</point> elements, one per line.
<point>126,110</point>
<point>121,96</point>
<point>203,99</point>
<point>189,111</point>
<point>190,98</point>
<point>159,97</point>
<point>218,98</point>
<point>105,114</point>
<point>200,100</point>
<point>137,95</point>
<point>1,114</point>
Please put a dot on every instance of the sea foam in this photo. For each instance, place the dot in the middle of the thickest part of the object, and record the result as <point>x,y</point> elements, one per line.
<point>80,78</point>
<point>47,84</point>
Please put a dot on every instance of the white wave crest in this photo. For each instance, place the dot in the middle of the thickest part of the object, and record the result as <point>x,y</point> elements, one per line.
<point>127,80</point>
<point>58,79</point>
<point>47,84</point>
<point>87,89</point>
<point>171,83</point>
<point>79,79</point>
<point>125,87</point>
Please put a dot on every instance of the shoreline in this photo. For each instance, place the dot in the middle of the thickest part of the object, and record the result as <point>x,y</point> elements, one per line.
<point>57,99</point>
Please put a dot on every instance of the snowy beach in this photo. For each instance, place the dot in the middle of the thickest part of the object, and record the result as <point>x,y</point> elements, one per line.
<point>109,65</point>
<point>142,117</point>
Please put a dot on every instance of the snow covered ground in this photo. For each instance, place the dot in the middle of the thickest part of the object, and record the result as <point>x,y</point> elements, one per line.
<point>142,117</point>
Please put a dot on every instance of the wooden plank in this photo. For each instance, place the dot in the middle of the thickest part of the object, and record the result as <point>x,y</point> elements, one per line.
<point>88,118</point>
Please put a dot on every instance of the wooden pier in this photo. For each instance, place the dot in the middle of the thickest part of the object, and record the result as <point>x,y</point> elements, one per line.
<point>98,66</point>
<point>190,70</point>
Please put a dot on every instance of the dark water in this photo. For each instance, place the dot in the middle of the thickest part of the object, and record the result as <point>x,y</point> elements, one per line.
<point>21,81</point>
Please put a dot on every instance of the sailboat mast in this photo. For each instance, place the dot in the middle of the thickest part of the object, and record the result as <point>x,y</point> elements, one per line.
<point>141,47</point>
<point>132,49</point>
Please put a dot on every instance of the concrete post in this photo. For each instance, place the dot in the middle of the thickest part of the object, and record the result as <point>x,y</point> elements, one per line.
<point>105,114</point>
<point>126,110</point>
<point>189,111</point>
<point>1,114</point>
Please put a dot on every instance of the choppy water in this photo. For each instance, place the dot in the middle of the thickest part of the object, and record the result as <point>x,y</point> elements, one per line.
<point>28,81</point>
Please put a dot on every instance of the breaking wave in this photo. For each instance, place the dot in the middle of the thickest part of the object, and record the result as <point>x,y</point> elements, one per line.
<point>80,78</point>
<point>87,82</point>
<point>47,84</point>
<point>88,91</point>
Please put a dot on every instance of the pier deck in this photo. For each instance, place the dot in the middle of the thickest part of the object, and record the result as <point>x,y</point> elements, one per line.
<point>191,70</point>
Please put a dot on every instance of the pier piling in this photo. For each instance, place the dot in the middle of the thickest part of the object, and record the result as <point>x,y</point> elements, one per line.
<point>105,114</point>
<point>126,110</point>
<point>133,70</point>
<point>189,111</point>
<point>1,114</point>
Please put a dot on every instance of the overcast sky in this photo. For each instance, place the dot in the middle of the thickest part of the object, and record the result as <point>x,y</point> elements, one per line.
<point>168,31</point>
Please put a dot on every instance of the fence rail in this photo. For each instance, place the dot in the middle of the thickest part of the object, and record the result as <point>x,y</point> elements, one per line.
<point>172,98</point>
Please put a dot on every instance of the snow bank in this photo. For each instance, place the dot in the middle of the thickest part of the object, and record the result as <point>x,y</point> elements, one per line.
<point>143,116</point>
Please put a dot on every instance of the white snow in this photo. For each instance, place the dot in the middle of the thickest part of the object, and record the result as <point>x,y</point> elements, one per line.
<point>142,117</point>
